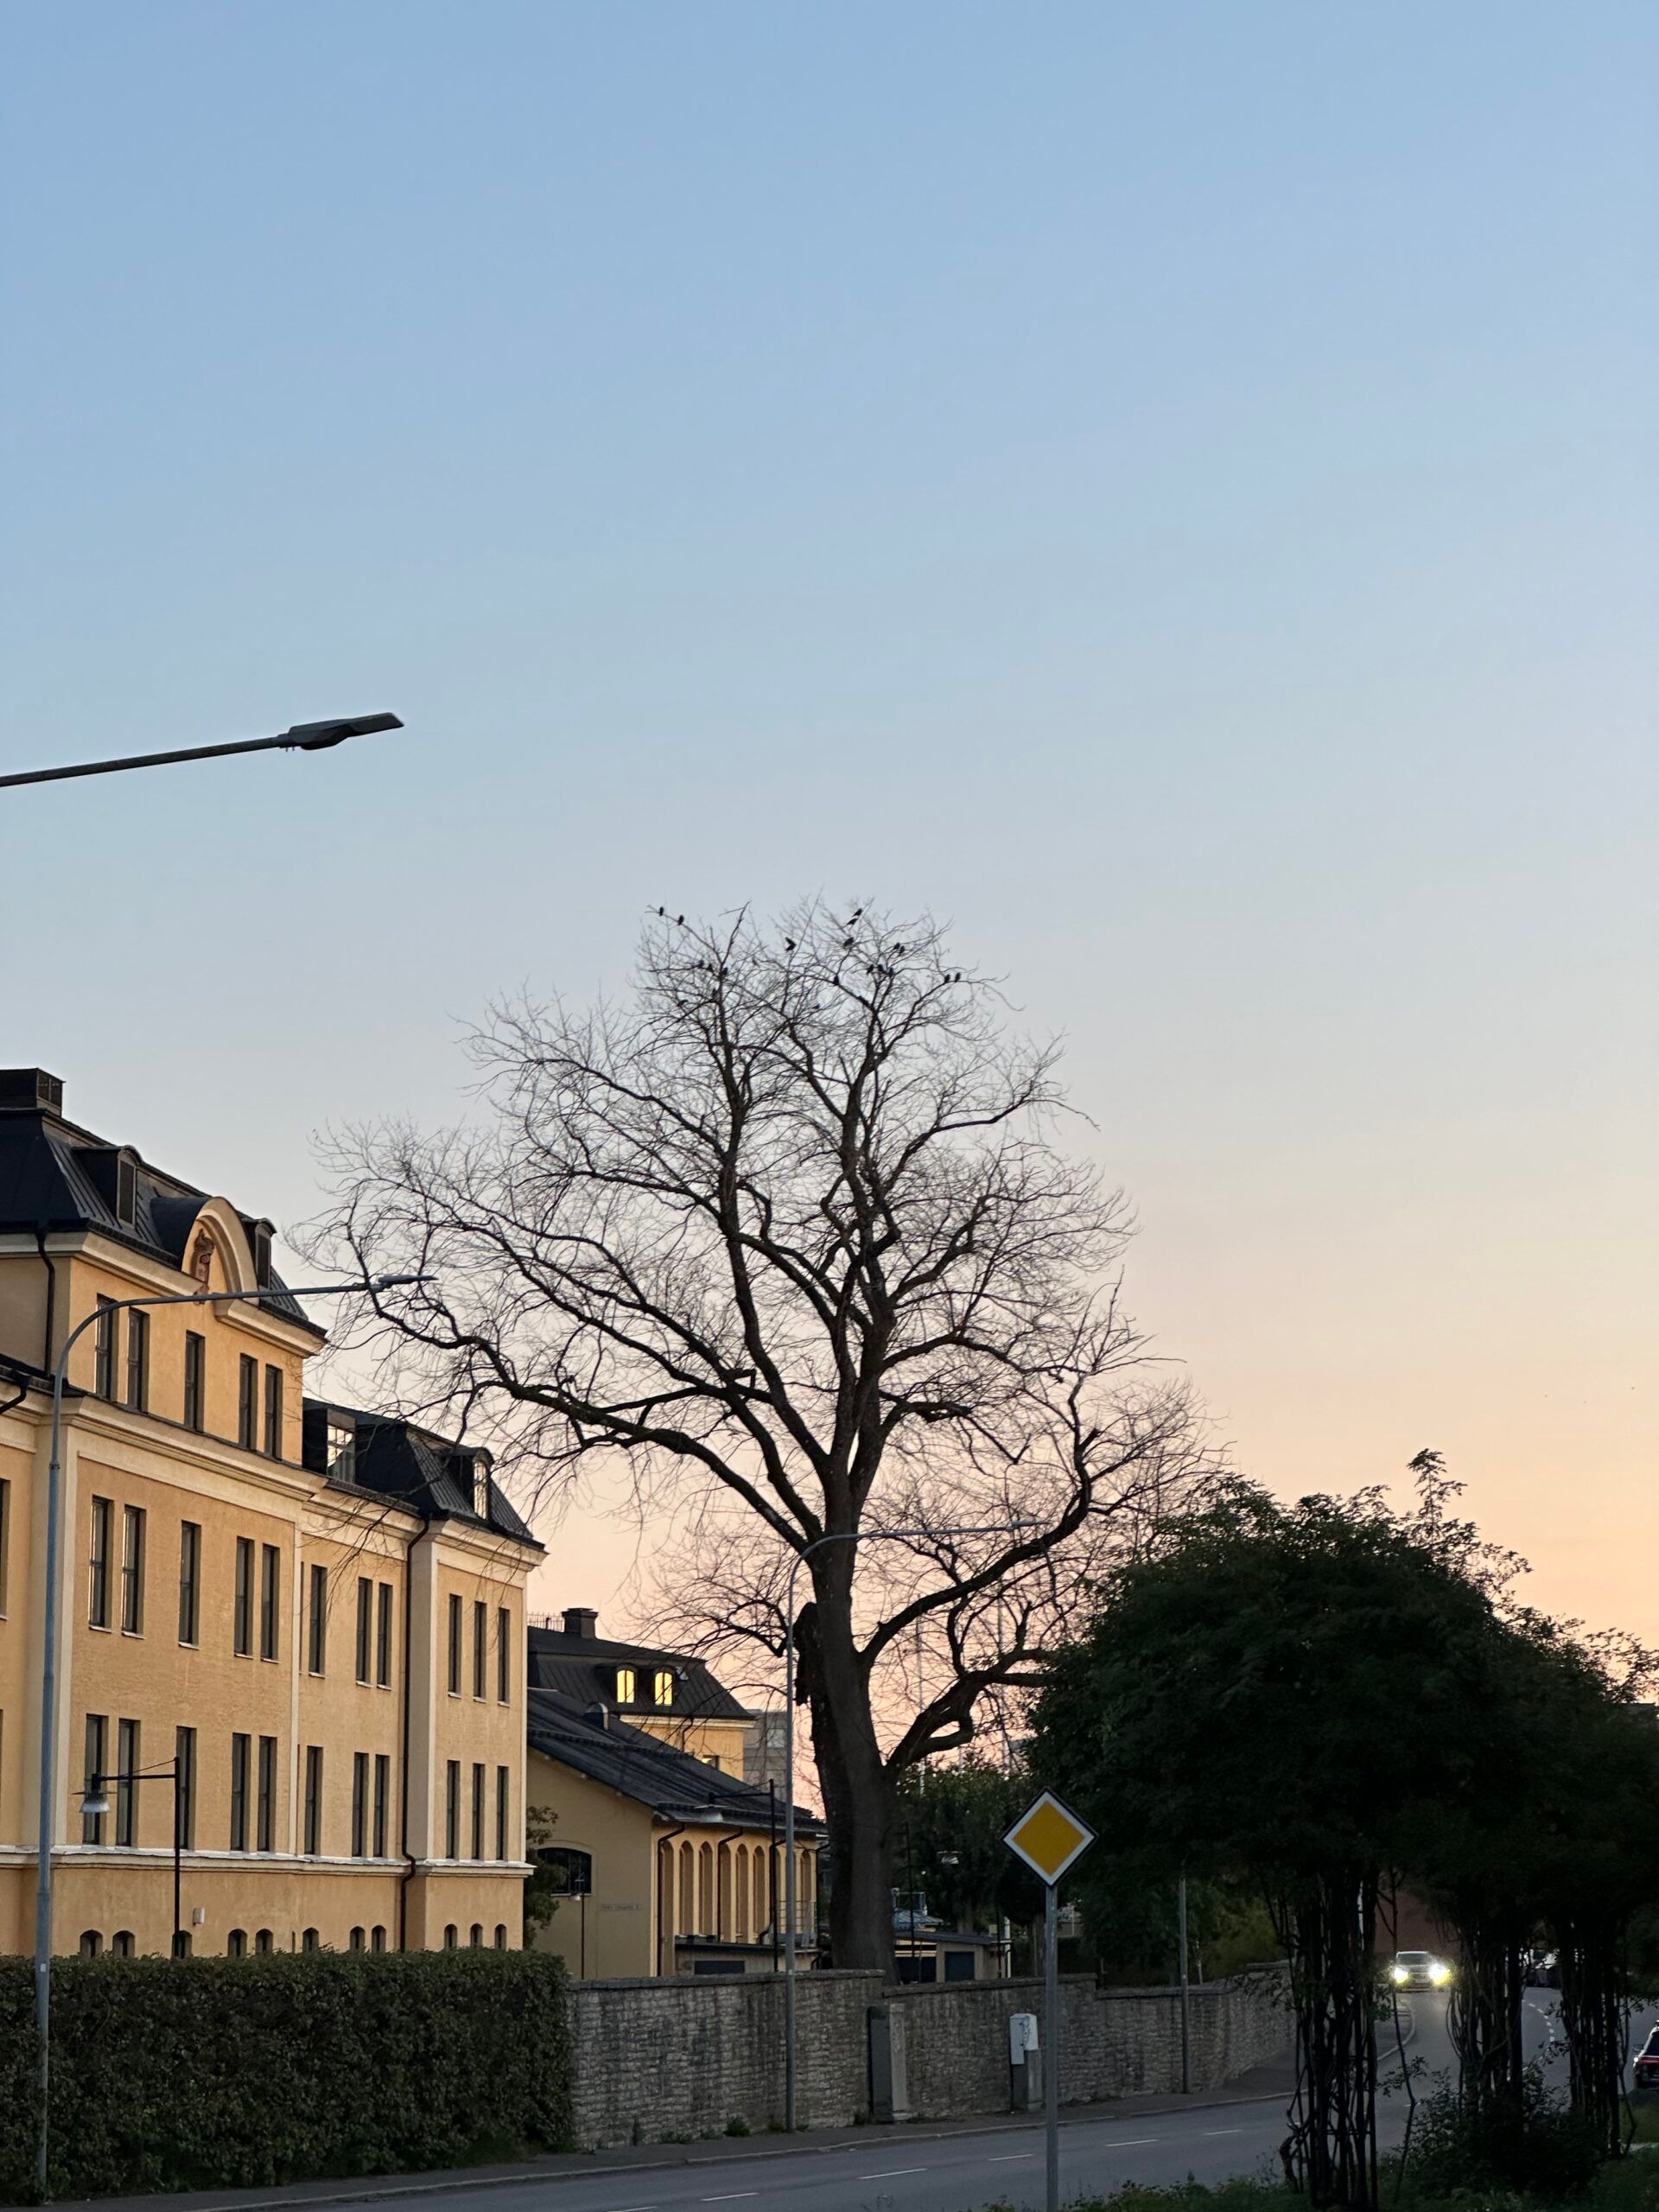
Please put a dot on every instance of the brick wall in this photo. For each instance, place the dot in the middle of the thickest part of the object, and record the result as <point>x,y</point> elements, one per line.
<point>656,2061</point>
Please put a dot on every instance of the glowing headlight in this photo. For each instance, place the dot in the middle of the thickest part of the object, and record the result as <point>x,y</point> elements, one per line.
<point>1398,1974</point>
<point>1439,1974</point>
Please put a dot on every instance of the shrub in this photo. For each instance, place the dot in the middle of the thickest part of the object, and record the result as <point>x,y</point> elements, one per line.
<point>243,2072</point>
<point>1536,2145</point>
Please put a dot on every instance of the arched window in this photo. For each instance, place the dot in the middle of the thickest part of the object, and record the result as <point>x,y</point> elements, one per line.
<point>500,1934</point>
<point>762,1891</point>
<point>807,1922</point>
<point>686,1919</point>
<point>121,1945</point>
<point>236,1943</point>
<point>91,1944</point>
<point>262,1940</point>
<point>181,1944</point>
<point>376,1939</point>
<point>741,1893</point>
<point>356,1939</point>
<point>309,1941</point>
<point>706,1890</point>
<point>723,1889</point>
<point>449,1937</point>
<point>476,1939</point>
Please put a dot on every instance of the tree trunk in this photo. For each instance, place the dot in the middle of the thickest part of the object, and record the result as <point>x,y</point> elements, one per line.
<point>860,1801</point>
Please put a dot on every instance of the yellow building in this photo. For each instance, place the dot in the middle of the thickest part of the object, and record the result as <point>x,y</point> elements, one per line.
<point>670,1862</point>
<point>315,1616</point>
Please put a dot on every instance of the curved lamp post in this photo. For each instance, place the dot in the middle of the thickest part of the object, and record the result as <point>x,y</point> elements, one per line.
<point>303,737</point>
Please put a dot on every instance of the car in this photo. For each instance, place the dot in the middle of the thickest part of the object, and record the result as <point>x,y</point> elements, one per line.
<point>1647,2064</point>
<point>1542,1968</point>
<point>1419,1970</point>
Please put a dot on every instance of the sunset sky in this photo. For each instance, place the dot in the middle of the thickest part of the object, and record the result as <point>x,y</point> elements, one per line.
<point>1170,488</point>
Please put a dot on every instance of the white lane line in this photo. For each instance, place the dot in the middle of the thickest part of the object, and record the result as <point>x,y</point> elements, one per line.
<point>731,2197</point>
<point>1011,2158</point>
<point>1223,2131</point>
<point>1130,2142</point>
<point>891,2173</point>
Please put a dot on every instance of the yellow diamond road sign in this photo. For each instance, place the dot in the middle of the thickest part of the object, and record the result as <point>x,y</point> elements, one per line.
<point>1048,1838</point>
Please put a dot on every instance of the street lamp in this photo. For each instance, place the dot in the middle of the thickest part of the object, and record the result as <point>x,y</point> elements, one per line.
<point>43,1870</point>
<point>848,1536</point>
<point>303,737</point>
<point>95,1803</point>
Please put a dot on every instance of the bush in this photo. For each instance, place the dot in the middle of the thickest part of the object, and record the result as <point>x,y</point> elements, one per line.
<point>243,2072</point>
<point>1537,2145</point>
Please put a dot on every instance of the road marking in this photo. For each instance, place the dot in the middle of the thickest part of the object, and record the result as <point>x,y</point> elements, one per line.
<point>1130,2142</point>
<point>891,2173</point>
<point>1011,2158</point>
<point>1223,2131</point>
<point>731,2197</point>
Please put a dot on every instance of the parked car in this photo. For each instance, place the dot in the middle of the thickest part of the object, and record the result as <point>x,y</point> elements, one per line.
<point>1419,1970</point>
<point>1647,2064</point>
<point>1543,1969</point>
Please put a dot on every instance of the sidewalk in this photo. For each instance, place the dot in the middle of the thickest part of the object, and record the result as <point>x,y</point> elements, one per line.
<point>1261,2082</point>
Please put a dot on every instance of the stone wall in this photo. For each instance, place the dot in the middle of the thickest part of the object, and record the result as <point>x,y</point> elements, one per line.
<point>665,2059</point>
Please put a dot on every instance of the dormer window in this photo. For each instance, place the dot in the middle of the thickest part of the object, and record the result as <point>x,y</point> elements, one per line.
<point>662,1689</point>
<point>126,1189</point>
<point>626,1686</point>
<point>341,1462</point>
<point>261,1241</point>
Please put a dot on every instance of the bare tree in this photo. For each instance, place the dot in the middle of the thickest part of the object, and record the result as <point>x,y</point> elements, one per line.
<point>788,1230</point>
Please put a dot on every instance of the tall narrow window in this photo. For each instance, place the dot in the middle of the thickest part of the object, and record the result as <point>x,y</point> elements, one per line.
<point>242,1626</point>
<point>452,1809</point>
<point>189,1581</point>
<point>504,1657</point>
<point>5,1542</point>
<point>247,1402</point>
<point>383,1638</point>
<point>91,1824</point>
<point>503,1789</point>
<point>271,1581</point>
<point>184,1754</point>
<point>454,1647</point>
<point>478,1812</point>
<point>195,1381</point>
<point>98,1593</point>
<point>364,1627</point>
<point>273,1413</point>
<point>138,1359</point>
<point>317,1622</point>
<point>360,1804</point>
<point>240,1747</point>
<point>312,1799</point>
<point>382,1801</point>
<point>662,1687</point>
<point>265,1831</point>
<point>103,1340</point>
<point>480,1648</point>
<point>132,1569</point>
<point>126,1793</point>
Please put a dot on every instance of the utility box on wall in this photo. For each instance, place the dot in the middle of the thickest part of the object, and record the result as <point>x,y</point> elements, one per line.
<point>1025,2063</point>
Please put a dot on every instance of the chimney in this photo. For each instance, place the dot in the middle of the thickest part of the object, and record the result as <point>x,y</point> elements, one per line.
<point>29,1091</point>
<point>581,1620</point>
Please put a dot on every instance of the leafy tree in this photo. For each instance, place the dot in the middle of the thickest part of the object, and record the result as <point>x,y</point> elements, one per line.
<point>951,1822</point>
<point>544,1887</point>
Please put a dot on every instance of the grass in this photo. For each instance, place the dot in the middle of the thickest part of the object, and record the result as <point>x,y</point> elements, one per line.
<point>1629,2186</point>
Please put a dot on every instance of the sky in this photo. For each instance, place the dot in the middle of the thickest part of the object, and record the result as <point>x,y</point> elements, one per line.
<point>1170,488</point>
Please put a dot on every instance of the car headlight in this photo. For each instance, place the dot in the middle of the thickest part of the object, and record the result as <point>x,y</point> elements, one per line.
<point>1439,1974</point>
<point>1398,1974</point>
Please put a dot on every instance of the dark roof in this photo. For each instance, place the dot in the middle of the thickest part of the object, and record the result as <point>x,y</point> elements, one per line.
<point>55,1176</point>
<point>672,1784</point>
<point>583,1668</point>
<point>397,1460</point>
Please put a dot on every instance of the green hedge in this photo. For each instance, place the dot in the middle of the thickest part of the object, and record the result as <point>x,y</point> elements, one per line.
<point>240,2073</point>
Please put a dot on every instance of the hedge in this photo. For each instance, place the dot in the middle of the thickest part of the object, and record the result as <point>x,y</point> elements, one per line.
<point>241,2073</point>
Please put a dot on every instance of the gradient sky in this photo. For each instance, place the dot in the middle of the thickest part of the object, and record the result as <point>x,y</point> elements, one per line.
<point>1172,488</point>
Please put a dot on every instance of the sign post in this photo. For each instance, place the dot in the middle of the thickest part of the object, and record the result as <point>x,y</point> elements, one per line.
<point>1050,1838</point>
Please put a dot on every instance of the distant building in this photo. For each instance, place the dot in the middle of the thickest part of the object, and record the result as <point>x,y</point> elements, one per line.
<point>662,1692</point>
<point>763,1749</point>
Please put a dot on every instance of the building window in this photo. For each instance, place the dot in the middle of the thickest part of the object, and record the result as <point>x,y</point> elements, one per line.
<point>364,1626</point>
<point>477,1811</point>
<point>262,1942</point>
<point>313,1800</point>
<point>126,1189</point>
<point>382,1800</point>
<point>449,1937</point>
<point>340,1453</point>
<point>267,1824</point>
<point>189,1581</point>
<point>104,1342</point>
<point>270,1582</point>
<point>195,1371</point>
<point>240,1748</point>
<point>120,1943</point>
<point>500,1934</point>
<point>376,1938</point>
<point>355,1939</point>
<point>359,1806</point>
<point>91,1944</point>
<point>98,1595</point>
<point>132,1570</point>
<point>236,1943</point>
<point>126,1791</point>
<point>316,1649</point>
<point>503,1789</point>
<point>247,1402</point>
<point>626,1686</point>
<point>5,1542</point>
<point>273,1413</point>
<point>454,1647</point>
<point>184,1754</point>
<point>480,1648</point>
<point>242,1627</point>
<point>452,1809</point>
<point>503,1656</point>
<point>476,1939</point>
<point>309,1940</point>
<point>181,1944</point>
<point>662,1687</point>
<point>383,1638</point>
<point>137,1359</point>
<point>91,1824</point>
